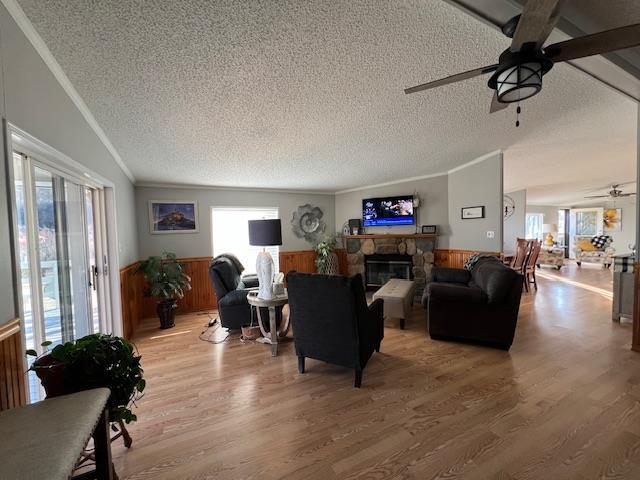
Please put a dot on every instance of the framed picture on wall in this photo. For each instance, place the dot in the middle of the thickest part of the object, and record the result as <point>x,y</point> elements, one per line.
<point>469,213</point>
<point>173,216</point>
<point>429,229</point>
<point>612,220</point>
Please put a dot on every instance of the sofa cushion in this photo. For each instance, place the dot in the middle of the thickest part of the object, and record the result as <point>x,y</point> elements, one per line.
<point>495,280</point>
<point>235,297</point>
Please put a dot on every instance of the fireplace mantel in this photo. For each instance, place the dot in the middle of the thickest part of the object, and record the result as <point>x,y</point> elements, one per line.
<point>394,235</point>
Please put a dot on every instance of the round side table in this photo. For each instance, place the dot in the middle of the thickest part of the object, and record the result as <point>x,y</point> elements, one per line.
<point>272,305</point>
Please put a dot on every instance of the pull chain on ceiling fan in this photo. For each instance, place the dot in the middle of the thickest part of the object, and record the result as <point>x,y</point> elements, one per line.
<point>520,68</point>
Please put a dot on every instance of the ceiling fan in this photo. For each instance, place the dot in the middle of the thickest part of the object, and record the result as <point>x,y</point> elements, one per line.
<point>615,192</point>
<point>520,68</point>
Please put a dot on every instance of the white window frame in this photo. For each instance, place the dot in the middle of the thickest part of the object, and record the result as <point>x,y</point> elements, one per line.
<point>276,248</point>
<point>540,216</point>
<point>43,155</point>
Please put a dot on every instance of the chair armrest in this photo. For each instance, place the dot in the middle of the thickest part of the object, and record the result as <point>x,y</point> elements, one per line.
<point>454,293</point>
<point>450,275</point>
<point>376,308</point>
<point>250,281</point>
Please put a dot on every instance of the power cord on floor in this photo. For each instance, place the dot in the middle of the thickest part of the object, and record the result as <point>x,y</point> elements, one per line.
<point>214,325</point>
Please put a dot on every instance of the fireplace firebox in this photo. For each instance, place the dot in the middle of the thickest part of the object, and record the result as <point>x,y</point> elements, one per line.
<point>381,268</point>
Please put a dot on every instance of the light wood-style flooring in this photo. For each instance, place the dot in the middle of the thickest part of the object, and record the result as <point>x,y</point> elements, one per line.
<point>564,403</point>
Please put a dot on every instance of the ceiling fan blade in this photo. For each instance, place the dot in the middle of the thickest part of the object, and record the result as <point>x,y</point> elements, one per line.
<point>603,42</point>
<point>496,106</point>
<point>536,22</point>
<point>451,79</point>
<point>626,194</point>
<point>597,196</point>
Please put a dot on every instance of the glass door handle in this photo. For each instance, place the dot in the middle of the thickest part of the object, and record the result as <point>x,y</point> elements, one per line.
<point>94,277</point>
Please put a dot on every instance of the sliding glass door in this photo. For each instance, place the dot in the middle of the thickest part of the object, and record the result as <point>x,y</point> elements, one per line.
<point>59,247</point>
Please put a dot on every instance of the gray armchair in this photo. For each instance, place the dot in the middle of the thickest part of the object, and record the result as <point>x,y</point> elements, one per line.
<point>231,290</point>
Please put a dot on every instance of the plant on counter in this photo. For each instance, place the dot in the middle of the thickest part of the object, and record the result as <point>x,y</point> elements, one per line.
<point>167,280</point>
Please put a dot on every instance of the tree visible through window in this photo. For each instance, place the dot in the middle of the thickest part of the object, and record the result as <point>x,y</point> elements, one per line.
<point>230,234</point>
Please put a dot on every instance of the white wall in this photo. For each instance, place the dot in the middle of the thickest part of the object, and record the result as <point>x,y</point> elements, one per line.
<point>478,184</point>
<point>36,103</point>
<point>514,226</point>
<point>199,244</point>
<point>433,193</point>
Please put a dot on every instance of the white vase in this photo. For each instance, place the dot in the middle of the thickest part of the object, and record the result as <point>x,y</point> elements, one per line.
<point>264,270</point>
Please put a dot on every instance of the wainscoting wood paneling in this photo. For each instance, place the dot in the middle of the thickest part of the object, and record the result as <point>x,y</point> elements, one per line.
<point>12,376</point>
<point>201,297</point>
<point>455,258</point>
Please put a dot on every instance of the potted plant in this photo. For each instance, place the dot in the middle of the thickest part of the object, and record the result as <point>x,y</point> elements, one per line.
<point>326,258</point>
<point>166,279</point>
<point>94,361</point>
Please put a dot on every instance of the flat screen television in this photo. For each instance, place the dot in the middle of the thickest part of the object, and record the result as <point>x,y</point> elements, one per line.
<point>388,211</point>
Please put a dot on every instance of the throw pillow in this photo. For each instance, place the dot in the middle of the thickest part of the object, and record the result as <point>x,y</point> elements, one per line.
<point>600,241</point>
<point>585,246</point>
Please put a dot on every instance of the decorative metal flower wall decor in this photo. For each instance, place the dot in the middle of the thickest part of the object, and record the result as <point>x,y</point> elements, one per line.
<point>307,223</point>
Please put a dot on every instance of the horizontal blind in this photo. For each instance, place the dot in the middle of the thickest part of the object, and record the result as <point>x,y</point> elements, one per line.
<point>230,234</point>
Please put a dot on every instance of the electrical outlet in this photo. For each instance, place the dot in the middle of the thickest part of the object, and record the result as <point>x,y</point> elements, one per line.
<point>491,234</point>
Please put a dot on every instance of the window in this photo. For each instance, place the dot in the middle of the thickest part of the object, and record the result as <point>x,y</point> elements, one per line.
<point>230,234</point>
<point>533,225</point>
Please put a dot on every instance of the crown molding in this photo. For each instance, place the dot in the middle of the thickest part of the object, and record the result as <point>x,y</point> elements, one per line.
<point>235,189</point>
<point>422,177</point>
<point>38,43</point>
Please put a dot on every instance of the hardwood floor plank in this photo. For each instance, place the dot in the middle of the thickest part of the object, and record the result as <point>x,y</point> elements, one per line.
<point>563,403</point>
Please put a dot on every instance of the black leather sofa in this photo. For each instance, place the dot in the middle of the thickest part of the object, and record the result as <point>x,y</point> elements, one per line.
<point>332,322</point>
<point>231,290</point>
<point>479,306</point>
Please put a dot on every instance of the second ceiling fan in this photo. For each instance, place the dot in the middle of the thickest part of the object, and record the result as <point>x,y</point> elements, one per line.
<point>520,68</point>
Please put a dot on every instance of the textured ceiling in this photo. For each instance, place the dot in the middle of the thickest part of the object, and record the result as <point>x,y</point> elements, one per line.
<point>308,95</point>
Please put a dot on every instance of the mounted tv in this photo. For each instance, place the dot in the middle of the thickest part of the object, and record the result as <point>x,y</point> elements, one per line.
<point>388,211</point>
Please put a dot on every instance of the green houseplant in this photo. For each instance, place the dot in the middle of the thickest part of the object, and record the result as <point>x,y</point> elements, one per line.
<point>167,280</point>
<point>94,361</point>
<point>326,258</point>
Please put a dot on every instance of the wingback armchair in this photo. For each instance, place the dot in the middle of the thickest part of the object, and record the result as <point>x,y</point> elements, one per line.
<point>225,272</point>
<point>332,322</point>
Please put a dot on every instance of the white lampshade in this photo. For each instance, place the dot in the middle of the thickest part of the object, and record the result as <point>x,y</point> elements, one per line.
<point>519,82</point>
<point>549,228</point>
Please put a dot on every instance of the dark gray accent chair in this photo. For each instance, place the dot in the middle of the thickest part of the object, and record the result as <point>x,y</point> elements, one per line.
<point>332,322</point>
<point>479,306</point>
<point>231,290</point>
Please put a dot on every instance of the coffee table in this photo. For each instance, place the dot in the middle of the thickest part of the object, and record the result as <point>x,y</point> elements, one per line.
<point>398,298</point>
<point>272,305</point>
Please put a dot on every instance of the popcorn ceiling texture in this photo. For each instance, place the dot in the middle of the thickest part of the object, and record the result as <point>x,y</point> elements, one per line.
<point>308,94</point>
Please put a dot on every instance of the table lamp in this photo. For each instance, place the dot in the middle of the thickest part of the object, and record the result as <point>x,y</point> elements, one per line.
<point>549,229</point>
<point>264,233</point>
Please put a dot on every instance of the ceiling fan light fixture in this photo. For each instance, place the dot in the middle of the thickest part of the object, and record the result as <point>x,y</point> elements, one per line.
<point>519,82</point>
<point>519,74</point>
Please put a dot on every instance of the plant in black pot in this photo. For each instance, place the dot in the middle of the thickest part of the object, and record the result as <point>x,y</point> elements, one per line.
<point>166,279</point>
<point>94,361</point>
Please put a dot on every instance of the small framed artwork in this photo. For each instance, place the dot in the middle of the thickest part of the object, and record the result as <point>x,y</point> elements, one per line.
<point>430,229</point>
<point>173,216</point>
<point>469,213</point>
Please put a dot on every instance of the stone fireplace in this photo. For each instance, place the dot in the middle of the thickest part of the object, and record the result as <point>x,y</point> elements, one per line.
<point>380,268</point>
<point>418,249</point>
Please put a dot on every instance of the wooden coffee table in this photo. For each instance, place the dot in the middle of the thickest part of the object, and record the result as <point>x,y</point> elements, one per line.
<point>273,305</point>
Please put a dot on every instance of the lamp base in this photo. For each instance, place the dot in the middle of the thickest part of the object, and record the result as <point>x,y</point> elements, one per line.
<point>264,270</point>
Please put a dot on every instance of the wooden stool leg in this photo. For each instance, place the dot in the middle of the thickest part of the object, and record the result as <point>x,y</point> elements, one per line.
<point>102,444</point>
